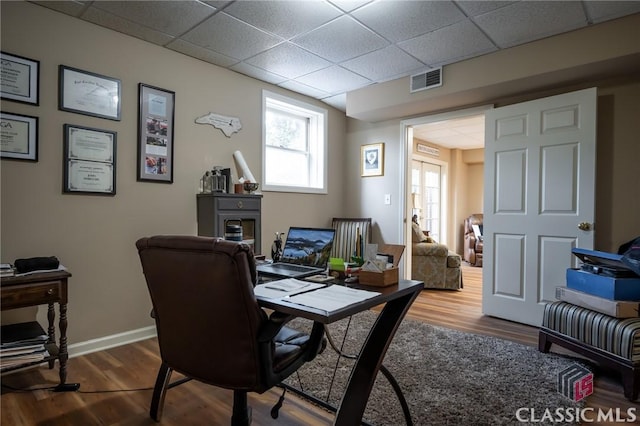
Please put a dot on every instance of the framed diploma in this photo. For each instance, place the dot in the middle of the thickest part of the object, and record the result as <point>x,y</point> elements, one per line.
<point>155,134</point>
<point>19,78</point>
<point>18,136</point>
<point>89,160</point>
<point>88,93</point>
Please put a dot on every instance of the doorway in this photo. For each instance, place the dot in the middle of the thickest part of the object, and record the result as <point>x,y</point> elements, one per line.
<point>449,137</point>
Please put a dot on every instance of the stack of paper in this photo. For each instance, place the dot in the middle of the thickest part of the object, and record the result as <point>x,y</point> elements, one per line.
<point>22,344</point>
<point>283,288</point>
<point>333,298</point>
<point>6,270</point>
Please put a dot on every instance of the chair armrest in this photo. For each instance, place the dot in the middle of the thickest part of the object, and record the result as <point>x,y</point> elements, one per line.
<point>429,249</point>
<point>271,328</point>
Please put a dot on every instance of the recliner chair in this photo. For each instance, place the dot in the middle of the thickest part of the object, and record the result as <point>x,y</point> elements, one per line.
<point>473,244</point>
<point>210,327</point>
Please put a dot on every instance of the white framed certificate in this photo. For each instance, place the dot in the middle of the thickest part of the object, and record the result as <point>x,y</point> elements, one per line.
<point>90,160</point>
<point>90,144</point>
<point>18,136</point>
<point>90,176</point>
<point>89,93</point>
<point>19,78</point>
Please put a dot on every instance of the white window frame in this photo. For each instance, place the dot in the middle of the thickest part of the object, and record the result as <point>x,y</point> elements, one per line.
<point>317,142</point>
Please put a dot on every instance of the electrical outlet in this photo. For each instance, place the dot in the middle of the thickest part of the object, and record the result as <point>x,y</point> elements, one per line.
<point>387,198</point>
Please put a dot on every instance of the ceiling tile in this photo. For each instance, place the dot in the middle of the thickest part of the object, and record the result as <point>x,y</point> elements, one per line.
<point>522,22</point>
<point>334,80</point>
<point>412,19</point>
<point>303,89</point>
<point>349,5</point>
<point>475,7</point>
<point>108,20</point>
<point>337,101</point>
<point>73,8</point>
<point>201,53</point>
<point>341,39</point>
<point>288,60</point>
<point>599,11</point>
<point>170,17</point>
<point>284,18</point>
<point>218,4</point>
<point>383,64</point>
<point>227,35</point>
<point>259,73</point>
<point>455,42</point>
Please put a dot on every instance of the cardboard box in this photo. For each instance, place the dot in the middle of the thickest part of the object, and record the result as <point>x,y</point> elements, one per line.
<point>389,276</point>
<point>614,308</point>
<point>600,285</point>
<point>380,279</point>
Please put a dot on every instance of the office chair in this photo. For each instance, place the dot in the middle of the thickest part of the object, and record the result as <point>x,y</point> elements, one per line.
<point>210,327</point>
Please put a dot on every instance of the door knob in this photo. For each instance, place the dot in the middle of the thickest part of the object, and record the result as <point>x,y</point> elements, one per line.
<point>584,226</point>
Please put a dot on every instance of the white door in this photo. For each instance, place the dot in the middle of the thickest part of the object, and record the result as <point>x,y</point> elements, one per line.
<point>539,186</point>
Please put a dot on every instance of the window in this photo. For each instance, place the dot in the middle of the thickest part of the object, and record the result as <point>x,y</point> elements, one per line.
<point>294,145</point>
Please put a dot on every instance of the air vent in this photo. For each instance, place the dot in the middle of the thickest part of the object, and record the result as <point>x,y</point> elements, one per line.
<point>426,80</point>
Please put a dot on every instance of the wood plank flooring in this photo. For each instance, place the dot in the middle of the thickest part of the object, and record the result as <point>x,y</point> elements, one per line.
<point>103,374</point>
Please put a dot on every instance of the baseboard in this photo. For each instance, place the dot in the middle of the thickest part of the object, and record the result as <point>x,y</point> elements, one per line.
<point>106,342</point>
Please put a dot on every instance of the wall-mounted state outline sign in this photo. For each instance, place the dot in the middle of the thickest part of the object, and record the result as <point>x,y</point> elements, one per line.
<point>228,125</point>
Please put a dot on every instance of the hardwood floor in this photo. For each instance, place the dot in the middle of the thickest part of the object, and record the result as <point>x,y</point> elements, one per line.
<point>103,374</point>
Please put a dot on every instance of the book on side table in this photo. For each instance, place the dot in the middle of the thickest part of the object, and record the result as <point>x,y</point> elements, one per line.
<point>614,308</point>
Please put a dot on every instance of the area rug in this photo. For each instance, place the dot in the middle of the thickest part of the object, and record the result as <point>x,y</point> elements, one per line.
<point>448,377</point>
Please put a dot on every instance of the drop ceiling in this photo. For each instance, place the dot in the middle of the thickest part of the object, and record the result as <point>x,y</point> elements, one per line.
<point>325,49</point>
<point>459,133</point>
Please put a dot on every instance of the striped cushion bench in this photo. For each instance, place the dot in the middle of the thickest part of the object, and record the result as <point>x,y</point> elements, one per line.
<point>612,342</point>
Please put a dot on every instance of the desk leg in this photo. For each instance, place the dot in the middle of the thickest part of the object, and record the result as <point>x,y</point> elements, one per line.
<point>63,355</point>
<point>51,331</point>
<point>363,375</point>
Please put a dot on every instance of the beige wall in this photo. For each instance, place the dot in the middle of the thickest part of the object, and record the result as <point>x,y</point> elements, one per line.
<point>94,236</point>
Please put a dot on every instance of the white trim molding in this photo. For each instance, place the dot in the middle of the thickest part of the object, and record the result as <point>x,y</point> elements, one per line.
<point>112,341</point>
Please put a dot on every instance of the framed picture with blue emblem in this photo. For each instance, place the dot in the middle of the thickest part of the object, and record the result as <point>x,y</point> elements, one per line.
<point>372,159</point>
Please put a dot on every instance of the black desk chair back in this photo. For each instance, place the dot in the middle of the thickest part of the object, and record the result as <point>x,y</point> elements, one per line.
<point>210,327</point>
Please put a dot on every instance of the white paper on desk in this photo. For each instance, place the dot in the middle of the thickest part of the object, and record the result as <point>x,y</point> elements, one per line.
<point>41,271</point>
<point>332,298</point>
<point>283,288</point>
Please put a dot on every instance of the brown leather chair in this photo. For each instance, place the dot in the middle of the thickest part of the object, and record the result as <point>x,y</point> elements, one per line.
<point>210,327</point>
<point>472,244</point>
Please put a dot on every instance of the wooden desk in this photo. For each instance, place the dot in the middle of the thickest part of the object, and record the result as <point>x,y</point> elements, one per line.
<point>397,299</point>
<point>39,289</point>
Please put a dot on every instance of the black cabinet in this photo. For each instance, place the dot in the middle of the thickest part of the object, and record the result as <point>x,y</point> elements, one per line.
<point>217,210</point>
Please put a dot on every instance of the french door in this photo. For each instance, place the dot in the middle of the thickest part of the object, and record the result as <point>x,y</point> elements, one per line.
<point>427,200</point>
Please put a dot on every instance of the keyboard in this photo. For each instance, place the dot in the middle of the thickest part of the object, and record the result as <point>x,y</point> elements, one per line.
<point>291,267</point>
<point>288,270</point>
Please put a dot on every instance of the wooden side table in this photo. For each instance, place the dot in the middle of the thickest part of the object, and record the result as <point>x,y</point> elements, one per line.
<point>39,289</point>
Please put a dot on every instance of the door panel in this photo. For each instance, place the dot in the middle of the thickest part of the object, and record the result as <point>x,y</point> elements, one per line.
<point>539,184</point>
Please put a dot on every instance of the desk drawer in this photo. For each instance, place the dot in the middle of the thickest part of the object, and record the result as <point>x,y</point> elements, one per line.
<point>29,295</point>
<point>239,203</point>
